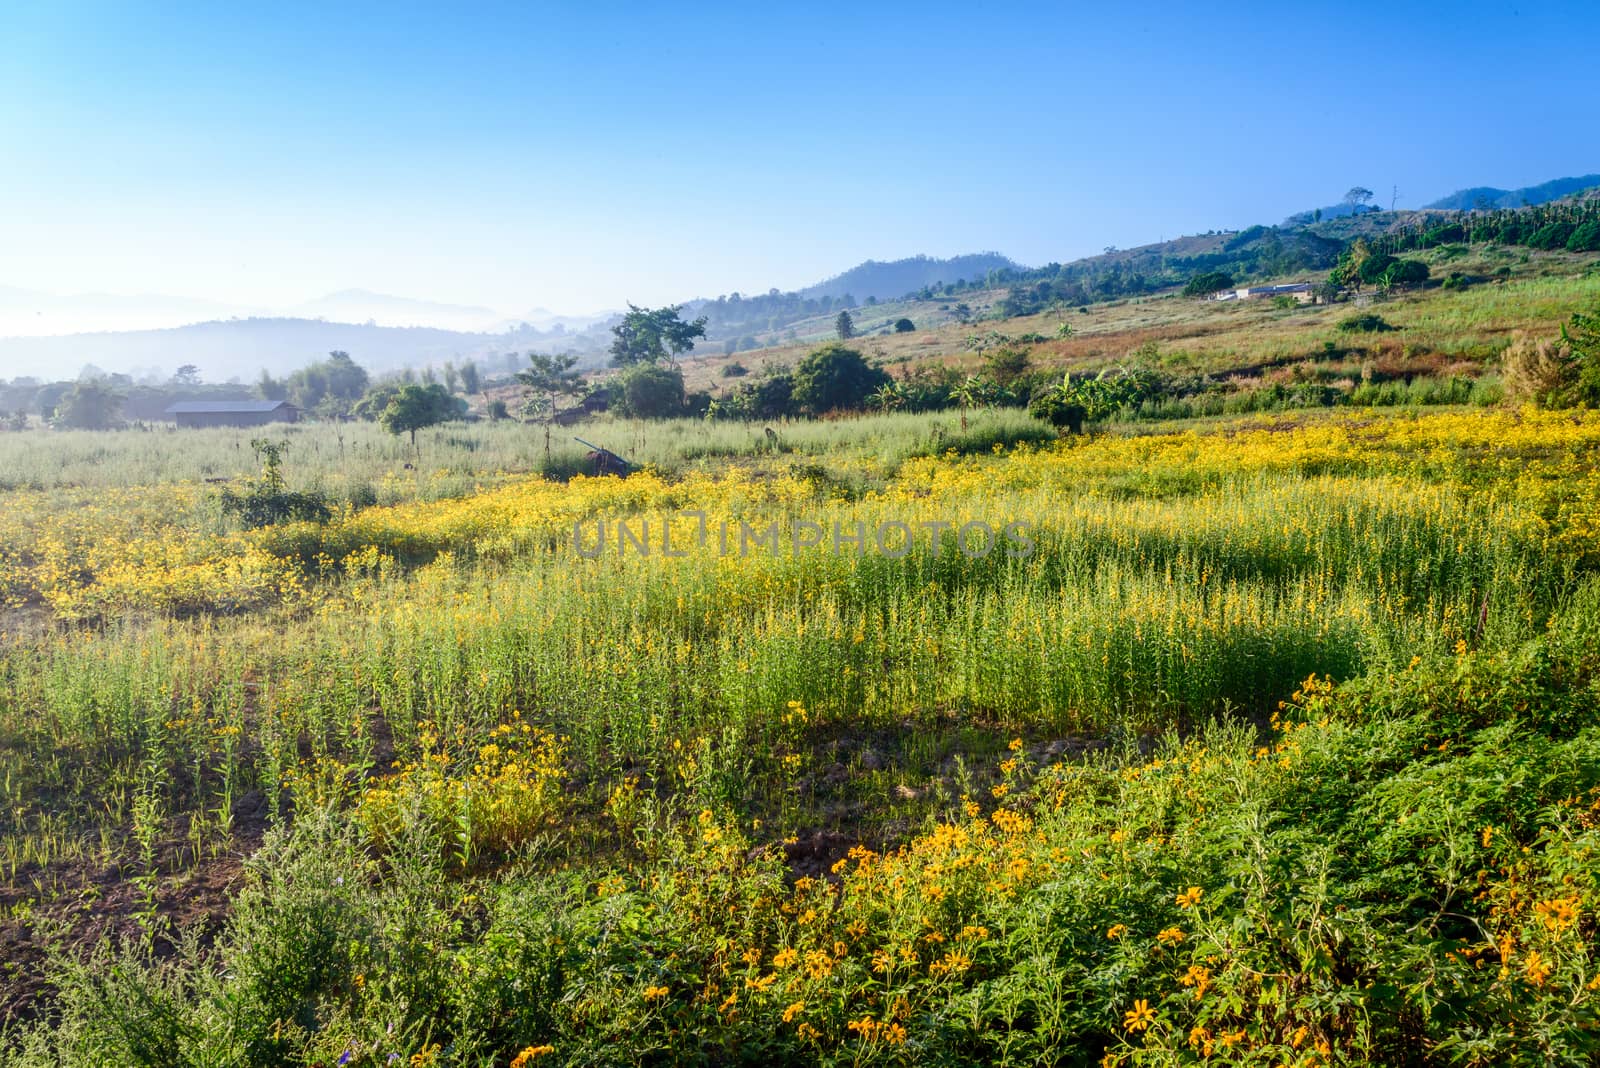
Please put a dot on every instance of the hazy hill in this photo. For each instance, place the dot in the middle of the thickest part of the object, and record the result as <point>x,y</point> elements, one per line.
<point>241,348</point>
<point>886,281</point>
<point>1485,196</point>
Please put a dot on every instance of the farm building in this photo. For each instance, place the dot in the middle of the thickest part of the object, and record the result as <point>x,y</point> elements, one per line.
<point>1300,291</point>
<point>232,413</point>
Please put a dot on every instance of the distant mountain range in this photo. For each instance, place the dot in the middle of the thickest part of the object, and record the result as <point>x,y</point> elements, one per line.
<point>160,333</point>
<point>1481,198</point>
<point>895,279</point>
<point>1487,196</point>
<point>230,349</point>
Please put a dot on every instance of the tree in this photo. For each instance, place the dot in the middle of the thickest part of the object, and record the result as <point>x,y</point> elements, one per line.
<point>370,407</point>
<point>889,397</point>
<point>904,326</point>
<point>452,377</point>
<point>329,386</point>
<point>1357,197</point>
<point>187,376</point>
<point>1404,273</point>
<point>1202,285</point>
<point>646,336</point>
<point>1005,365</point>
<point>269,388</point>
<point>833,378</point>
<point>975,391</point>
<point>89,405</point>
<point>962,312</point>
<point>844,326</point>
<point>650,390</point>
<point>415,407</point>
<point>470,381</point>
<point>1581,334</point>
<point>552,376</point>
<point>1539,371</point>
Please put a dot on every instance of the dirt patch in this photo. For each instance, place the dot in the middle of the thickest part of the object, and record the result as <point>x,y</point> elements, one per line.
<point>105,903</point>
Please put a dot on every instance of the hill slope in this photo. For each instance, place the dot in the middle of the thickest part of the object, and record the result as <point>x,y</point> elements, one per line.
<point>886,281</point>
<point>1486,196</point>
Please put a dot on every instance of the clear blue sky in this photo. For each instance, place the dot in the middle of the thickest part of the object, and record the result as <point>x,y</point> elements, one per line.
<point>576,156</point>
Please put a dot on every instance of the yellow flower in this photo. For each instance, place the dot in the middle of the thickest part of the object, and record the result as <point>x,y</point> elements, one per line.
<point>1190,897</point>
<point>784,957</point>
<point>530,1054</point>
<point>794,1009</point>
<point>1199,978</point>
<point>1170,936</point>
<point>1558,913</point>
<point>653,993</point>
<point>1537,968</point>
<point>1139,1017</point>
<point>1116,931</point>
<point>1016,745</point>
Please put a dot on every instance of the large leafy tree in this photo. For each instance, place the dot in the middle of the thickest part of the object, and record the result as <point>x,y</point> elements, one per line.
<point>651,391</point>
<point>89,405</point>
<point>414,407</point>
<point>329,386</point>
<point>834,377</point>
<point>648,335</point>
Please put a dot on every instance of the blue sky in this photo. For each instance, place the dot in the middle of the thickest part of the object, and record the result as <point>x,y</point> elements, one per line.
<point>576,156</point>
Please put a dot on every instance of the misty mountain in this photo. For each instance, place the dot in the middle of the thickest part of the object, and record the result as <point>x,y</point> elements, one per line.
<point>1486,196</point>
<point>241,348</point>
<point>888,281</point>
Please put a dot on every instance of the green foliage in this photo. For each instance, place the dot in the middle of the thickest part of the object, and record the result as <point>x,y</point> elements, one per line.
<point>835,378</point>
<point>1005,365</point>
<point>551,378</point>
<point>268,499</point>
<point>646,335</point>
<point>1585,237</point>
<point>330,387</point>
<point>88,405</point>
<point>413,408</point>
<point>844,327</point>
<point>1057,407</point>
<point>1581,334</point>
<point>769,397</point>
<point>904,326</point>
<point>1366,323</point>
<point>649,390</point>
<point>1405,273</point>
<point>1208,282</point>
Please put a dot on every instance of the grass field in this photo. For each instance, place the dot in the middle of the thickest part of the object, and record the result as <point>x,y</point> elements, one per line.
<point>1258,741</point>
